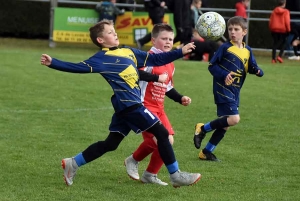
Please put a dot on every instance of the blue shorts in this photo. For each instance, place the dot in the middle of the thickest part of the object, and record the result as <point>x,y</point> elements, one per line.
<point>227,109</point>
<point>138,120</point>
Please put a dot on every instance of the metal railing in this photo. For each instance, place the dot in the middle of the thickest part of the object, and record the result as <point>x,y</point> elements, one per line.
<point>54,3</point>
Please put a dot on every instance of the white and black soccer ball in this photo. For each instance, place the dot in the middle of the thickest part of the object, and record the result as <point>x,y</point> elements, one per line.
<point>211,26</point>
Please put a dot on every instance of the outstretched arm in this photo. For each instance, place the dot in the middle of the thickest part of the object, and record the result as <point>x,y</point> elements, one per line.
<point>56,64</point>
<point>147,59</point>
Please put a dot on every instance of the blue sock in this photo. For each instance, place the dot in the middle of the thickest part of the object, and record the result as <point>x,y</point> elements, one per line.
<point>79,159</point>
<point>207,127</point>
<point>172,168</point>
<point>210,147</point>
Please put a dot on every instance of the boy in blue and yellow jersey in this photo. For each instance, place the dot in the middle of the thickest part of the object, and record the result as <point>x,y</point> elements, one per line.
<point>229,67</point>
<point>119,66</point>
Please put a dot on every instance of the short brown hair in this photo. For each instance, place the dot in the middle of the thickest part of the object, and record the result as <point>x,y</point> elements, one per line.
<point>237,20</point>
<point>281,2</point>
<point>157,28</point>
<point>97,30</point>
<point>196,1</point>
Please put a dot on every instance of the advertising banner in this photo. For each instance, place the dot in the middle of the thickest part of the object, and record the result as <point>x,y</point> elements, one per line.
<point>72,25</point>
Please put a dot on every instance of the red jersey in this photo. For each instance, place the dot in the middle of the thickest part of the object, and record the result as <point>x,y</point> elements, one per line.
<point>153,93</point>
<point>240,10</point>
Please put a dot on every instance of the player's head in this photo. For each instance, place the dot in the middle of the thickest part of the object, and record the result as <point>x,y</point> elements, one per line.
<point>246,2</point>
<point>197,3</point>
<point>237,28</point>
<point>281,3</point>
<point>162,37</point>
<point>103,34</point>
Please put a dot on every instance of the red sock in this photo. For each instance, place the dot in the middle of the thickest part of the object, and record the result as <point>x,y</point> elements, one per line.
<point>145,148</point>
<point>155,162</point>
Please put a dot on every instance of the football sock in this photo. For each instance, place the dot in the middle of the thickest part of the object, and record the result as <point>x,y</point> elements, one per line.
<point>296,50</point>
<point>216,137</point>
<point>209,148</point>
<point>99,148</point>
<point>164,146</point>
<point>206,128</point>
<point>145,148</point>
<point>219,123</point>
<point>79,159</point>
<point>172,168</point>
<point>155,162</point>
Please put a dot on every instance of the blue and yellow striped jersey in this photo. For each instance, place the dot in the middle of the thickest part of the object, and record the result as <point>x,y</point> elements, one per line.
<point>239,61</point>
<point>119,66</point>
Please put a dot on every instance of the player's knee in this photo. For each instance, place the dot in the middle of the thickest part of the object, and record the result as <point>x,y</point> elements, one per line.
<point>233,120</point>
<point>159,131</point>
<point>171,139</point>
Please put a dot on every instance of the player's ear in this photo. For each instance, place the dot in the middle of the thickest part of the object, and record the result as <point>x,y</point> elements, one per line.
<point>153,41</point>
<point>100,40</point>
<point>245,31</point>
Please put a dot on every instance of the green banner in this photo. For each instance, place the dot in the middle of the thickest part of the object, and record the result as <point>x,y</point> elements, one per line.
<point>72,25</point>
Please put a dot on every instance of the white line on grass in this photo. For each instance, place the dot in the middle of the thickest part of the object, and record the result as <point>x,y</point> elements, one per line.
<point>56,110</point>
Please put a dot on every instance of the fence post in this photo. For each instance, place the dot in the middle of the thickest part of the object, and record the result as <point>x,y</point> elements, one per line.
<point>53,5</point>
<point>248,23</point>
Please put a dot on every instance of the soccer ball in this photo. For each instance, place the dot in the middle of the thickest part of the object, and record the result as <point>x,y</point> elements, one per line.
<point>211,26</point>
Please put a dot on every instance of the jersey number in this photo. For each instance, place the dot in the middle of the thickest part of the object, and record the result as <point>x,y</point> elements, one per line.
<point>149,113</point>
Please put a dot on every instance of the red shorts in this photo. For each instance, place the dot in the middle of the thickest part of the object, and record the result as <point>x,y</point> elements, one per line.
<point>162,116</point>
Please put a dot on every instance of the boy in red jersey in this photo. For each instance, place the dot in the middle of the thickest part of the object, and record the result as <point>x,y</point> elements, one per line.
<point>241,8</point>
<point>153,92</point>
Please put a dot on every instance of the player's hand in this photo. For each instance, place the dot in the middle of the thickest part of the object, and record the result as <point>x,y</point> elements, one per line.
<point>46,60</point>
<point>185,100</point>
<point>162,77</point>
<point>229,79</point>
<point>188,48</point>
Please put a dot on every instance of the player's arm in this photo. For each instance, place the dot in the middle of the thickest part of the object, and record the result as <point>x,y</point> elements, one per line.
<point>214,68</point>
<point>82,67</point>
<point>174,95</point>
<point>177,97</point>
<point>148,77</point>
<point>147,59</point>
<point>253,67</point>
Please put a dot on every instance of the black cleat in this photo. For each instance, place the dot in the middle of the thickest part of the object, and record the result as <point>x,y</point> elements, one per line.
<point>199,135</point>
<point>208,156</point>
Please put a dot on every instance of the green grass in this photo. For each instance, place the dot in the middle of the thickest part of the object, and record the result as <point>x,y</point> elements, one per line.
<point>46,115</point>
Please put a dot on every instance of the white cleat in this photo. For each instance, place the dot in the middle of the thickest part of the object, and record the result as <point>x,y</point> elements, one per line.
<point>132,168</point>
<point>179,179</point>
<point>148,178</point>
<point>294,58</point>
<point>70,167</point>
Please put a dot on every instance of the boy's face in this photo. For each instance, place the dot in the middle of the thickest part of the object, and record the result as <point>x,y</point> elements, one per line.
<point>109,37</point>
<point>164,41</point>
<point>246,3</point>
<point>236,33</point>
<point>198,5</point>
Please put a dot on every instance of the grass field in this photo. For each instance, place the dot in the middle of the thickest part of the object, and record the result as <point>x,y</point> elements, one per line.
<point>47,115</point>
